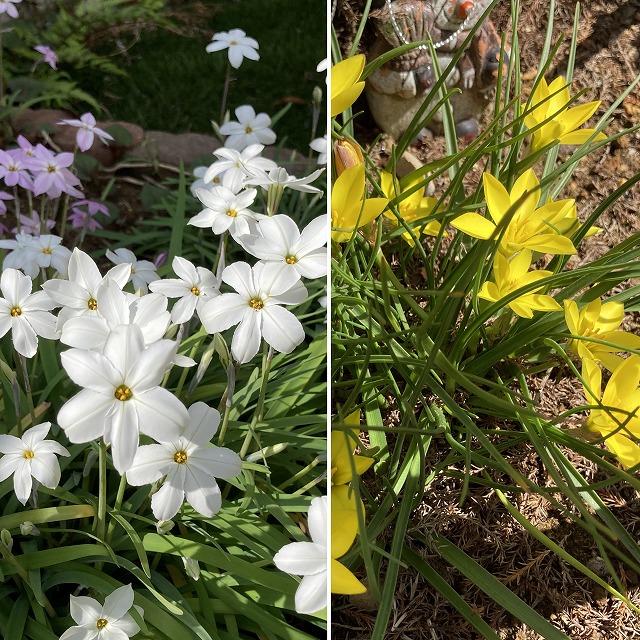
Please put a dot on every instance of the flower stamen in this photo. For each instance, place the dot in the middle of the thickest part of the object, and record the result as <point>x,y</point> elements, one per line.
<point>101,623</point>
<point>27,454</point>
<point>195,290</point>
<point>256,303</point>
<point>123,393</point>
<point>92,304</point>
<point>16,311</point>
<point>180,457</point>
<point>291,259</point>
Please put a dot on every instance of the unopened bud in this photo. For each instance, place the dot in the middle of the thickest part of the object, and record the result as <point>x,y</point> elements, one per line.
<point>161,258</point>
<point>316,96</point>
<point>266,452</point>
<point>27,528</point>
<point>346,154</point>
<point>164,526</point>
<point>91,460</point>
<point>6,539</point>
<point>192,568</point>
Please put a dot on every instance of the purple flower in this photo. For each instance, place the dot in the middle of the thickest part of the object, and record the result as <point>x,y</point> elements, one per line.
<point>86,131</point>
<point>48,55</point>
<point>14,171</point>
<point>84,217</point>
<point>51,174</point>
<point>26,152</point>
<point>8,8</point>
<point>31,224</point>
<point>4,196</point>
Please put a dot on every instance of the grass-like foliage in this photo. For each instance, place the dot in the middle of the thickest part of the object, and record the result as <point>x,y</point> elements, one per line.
<point>163,411</point>
<point>443,369</point>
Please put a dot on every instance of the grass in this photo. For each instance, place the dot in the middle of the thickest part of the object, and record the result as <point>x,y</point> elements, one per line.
<point>173,85</point>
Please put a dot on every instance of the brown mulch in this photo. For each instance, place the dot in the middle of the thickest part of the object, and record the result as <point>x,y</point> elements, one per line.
<point>607,61</point>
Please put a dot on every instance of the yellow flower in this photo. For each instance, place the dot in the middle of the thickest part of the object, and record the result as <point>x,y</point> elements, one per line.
<point>345,87</point>
<point>602,322</point>
<point>349,207</point>
<point>530,227</point>
<point>412,208</point>
<point>619,420</point>
<point>565,122</point>
<point>344,527</point>
<point>510,276</point>
<point>342,445</point>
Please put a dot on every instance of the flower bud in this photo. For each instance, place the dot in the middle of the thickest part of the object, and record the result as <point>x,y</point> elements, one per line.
<point>27,528</point>
<point>316,96</point>
<point>164,526</point>
<point>346,154</point>
<point>6,539</point>
<point>192,568</point>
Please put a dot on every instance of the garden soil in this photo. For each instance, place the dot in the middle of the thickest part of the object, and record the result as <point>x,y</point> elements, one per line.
<point>607,62</point>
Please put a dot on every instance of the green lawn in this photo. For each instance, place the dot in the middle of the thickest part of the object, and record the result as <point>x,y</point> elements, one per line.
<point>174,85</point>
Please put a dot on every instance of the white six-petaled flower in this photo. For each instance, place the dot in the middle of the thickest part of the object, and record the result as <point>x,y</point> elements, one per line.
<point>121,395</point>
<point>256,308</point>
<point>249,129</point>
<point>190,465</point>
<point>194,287</point>
<point>279,178</point>
<point>110,621</point>
<point>234,167</point>
<point>142,271</point>
<point>23,313</point>
<point>31,457</point>
<point>281,241</point>
<point>310,560</point>
<point>87,130</point>
<point>240,46</point>
<point>226,211</point>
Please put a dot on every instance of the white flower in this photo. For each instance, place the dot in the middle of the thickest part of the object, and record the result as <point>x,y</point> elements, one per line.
<point>142,271</point>
<point>117,307</point>
<point>79,294</point>
<point>195,286</point>
<point>249,129</point>
<point>323,65</point>
<point>103,622</point>
<point>121,395</point>
<point>256,309</point>
<point>190,464</point>
<point>309,559</point>
<point>31,456</point>
<point>281,241</point>
<point>87,130</point>
<point>19,256</point>
<point>321,145</point>
<point>240,46</point>
<point>26,314</point>
<point>226,211</point>
<point>279,178</point>
<point>49,252</point>
<point>235,166</point>
<point>199,172</point>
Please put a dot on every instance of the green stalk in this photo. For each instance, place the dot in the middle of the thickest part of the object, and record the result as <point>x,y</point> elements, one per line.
<point>225,92</point>
<point>116,507</point>
<point>257,416</point>
<point>27,390</point>
<point>101,516</point>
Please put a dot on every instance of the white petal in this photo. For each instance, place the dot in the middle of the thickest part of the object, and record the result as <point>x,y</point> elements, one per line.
<point>281,329</point>
<point>83,270</point>
<point>206,499</point>
<point>166,502</point>
<point>24,337</point>
<point>162,416</point>
<point>83,417</point>
<point>79,633</point>
<point>274,279</point>
<point>85,610</point>
<point>126,625</point>
<point>301,558</point>
<point>246,338</point>
<point>85,332</point>
<point>22,482</point>
<point>150,464</point>
<point>172,288</point>
<point>10,463</point>
<point>318,520</point>
<point>147,370</point>
<point>69,294</point>
<point>217,461</point>
<point>222,312</point>
<point>123,349</point>
<point>239,275</point>
<point>91,370</point>
<point>184,308</point>
<point>16,286</point>
<point>311,594</point>
<point>203,423</point>
<point>11,444</point>
<point>46,470</point>
<point>124,435</point>
<point>118,603</point>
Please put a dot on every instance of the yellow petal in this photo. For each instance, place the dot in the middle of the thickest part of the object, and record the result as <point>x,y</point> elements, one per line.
<point>580,136</point>
<point>623,382</point>
<point>498,201</point>
<point>627,451</point>
<point>344,519</point>
<point>550,243</point>
<point>575,117</point>
<point>474,225</point>
<point>526,192</point>
<point>343,581</point>
<point>345,87</point>
<point>571,316</point>
<point>592,375</point>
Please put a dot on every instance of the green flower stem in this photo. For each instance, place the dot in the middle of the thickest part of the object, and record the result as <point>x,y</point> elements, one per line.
<point>101,516</point>
<point>65,211</point>
<point>22,361</point>
<point>116,507</point>
<point>16,200</point>
<point>225,92</point>
<point>185,370</point>
<point>303,472</point>
<point>257,416</point>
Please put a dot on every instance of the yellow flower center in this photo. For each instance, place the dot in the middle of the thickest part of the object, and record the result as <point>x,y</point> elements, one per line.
<point>28,454</point>
<point>47,251</point>
<point>16,311</point>
<point>123,393</point>
<point>291,259</point>
<point>92,304</point>
<point>195,290</point>
<point>248,130</point>
<point>132,270</point>
<point>101,623</point>
<point>256,303</point>
<point>233,42</point>
<point>232,213</point>
<point>180,457</point>
<point>51,169</point>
